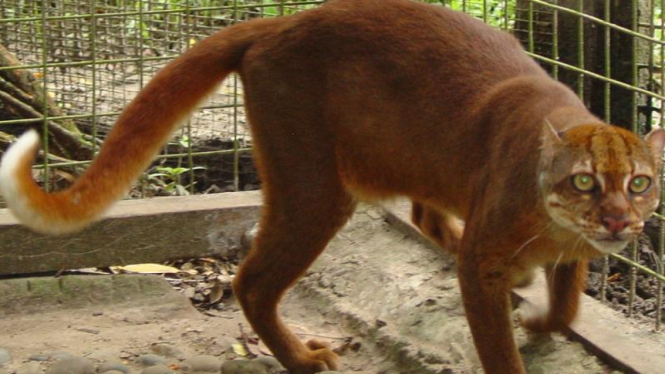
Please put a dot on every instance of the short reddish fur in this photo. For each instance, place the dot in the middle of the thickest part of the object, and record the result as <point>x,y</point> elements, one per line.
<point>370,99</point>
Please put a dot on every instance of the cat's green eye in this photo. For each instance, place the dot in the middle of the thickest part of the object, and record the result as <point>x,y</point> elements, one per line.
<point>639,184</point>
<point>584,182</point>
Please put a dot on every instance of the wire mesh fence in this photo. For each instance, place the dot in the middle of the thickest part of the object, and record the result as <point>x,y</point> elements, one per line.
<point>68,67</point>
<point>91,57</point>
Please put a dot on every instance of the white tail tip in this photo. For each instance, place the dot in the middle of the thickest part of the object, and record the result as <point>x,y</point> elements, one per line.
<point>10,186</point>
<point>11,161</point>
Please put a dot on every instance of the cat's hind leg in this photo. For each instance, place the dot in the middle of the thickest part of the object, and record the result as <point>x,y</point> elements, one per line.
<point>441,227</point>
<point>305,204</point>
<point>292,233</point>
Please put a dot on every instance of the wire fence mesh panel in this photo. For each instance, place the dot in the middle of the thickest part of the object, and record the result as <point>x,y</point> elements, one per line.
<point>68,67</point>
<point>90,58</point>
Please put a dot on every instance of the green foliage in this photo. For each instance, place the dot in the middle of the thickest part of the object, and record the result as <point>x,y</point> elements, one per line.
<point>276,7</point>
<point>168,178</point>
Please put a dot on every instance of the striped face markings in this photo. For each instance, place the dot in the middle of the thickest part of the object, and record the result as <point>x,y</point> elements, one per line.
<point>601,185</point>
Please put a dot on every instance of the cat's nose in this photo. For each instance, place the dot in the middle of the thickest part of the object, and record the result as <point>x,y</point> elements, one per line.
<point>615,224</point>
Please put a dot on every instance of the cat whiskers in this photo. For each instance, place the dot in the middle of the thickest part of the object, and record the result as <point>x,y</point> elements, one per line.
<point>578,243</point>
<point>530,240</point>
<point>524,245</point>
<point>576,246</point>
<point>556,263</point>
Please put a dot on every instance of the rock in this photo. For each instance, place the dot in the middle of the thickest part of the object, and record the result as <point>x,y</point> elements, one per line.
<point>158,369</point>
<point>112,372</point>
<point>167,350</point>
<point>151,360</point>
<point>59,355</point>
<point>114,366</point>
<point>329,372</point>
<point>221,345</point>
<point>30,368</point>
<point>253,368</point>
<point>233,367</point>
<point>40,358</point>
<point>72,365</point>
<point>5,357</point>
<point>203,364</point>
<point>243,367</point>
<point>269,362</point>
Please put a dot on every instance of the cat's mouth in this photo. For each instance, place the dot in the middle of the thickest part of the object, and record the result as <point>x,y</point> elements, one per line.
<point>612,240</point>
<point>610,244</point>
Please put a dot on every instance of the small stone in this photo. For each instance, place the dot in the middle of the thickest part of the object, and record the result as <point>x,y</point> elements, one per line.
<point>112,372</point>
<point>203,363</point>
<point>5,357</point>
<point>243,367</point>
<point>40,358</point>
<point>269,362</point>
<point>30,368</point>
<point>253,368</point>
<point>168,350</point>
<point>158,369</point>
<point>125,355</point>
<point>114,366</point>
<point>233,367</point>
<point>59,355</point>
<point>88,330</point>
<point>221,345</point>
<point>151,360</point>
<point>72,365</point>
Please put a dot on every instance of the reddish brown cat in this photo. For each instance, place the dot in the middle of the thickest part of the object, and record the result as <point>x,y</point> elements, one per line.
<point>370,99</point>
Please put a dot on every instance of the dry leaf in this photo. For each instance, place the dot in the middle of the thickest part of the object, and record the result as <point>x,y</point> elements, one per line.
<point>145,269</point>
<point>216,293</point>
<point>239,349</point>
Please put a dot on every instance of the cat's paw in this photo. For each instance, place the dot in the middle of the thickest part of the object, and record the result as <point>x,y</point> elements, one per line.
<point>315,358</point>
<point>533,318</point>
<point>319,358</point>
<point>538,319</point>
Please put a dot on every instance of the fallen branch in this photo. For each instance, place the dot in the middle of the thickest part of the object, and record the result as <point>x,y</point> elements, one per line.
<point>22,97</point>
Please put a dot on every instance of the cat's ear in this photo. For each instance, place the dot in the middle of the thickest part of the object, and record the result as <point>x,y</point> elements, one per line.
<point>550,141</point>
<point>656,140</point>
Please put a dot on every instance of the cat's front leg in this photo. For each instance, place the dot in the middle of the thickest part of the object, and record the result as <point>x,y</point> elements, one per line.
<point>485,284</point>
<point>565,283</point>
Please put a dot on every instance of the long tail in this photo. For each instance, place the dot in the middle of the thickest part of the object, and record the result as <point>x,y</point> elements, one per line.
<point>142,129</point>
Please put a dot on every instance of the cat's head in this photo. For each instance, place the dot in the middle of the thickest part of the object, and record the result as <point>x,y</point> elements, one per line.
<point>601,181</point>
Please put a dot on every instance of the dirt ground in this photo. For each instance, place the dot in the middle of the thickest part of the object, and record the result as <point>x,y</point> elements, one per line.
<point>107,333</point>
<point>388,301</point>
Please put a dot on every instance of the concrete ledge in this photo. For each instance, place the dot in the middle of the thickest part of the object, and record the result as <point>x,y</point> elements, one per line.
<point>43,294</point>
<point>603,331</point>
<point>135,231</point>
<point>608,334</point>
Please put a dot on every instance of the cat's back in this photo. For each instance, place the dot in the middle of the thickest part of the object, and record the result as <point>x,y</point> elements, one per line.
<point>400,37</point>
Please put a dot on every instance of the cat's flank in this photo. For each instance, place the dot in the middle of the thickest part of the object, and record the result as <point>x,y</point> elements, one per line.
<point>371,99</point>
